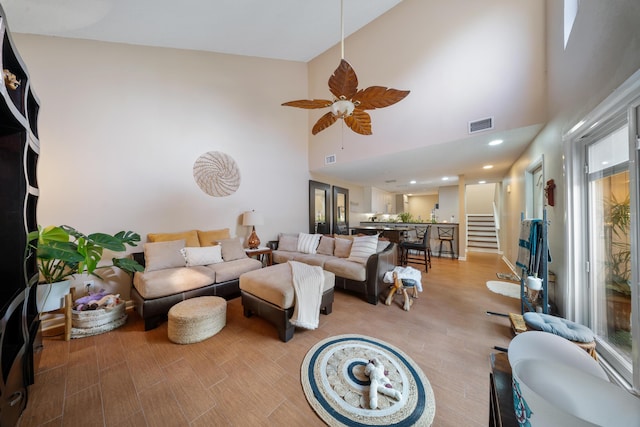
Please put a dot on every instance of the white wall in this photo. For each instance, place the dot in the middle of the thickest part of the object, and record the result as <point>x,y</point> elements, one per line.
<point>462,60</point>
<point>448,204</point>
<point>120,127</point>
<point>480,198</point>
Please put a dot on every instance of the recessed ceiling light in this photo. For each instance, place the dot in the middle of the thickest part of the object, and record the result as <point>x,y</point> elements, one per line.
<point>412,181</point>
<point>445,178</point>
<point>410,194</point>
<point>482,182</point>
<point>487,167</point>
<point>496,142</point>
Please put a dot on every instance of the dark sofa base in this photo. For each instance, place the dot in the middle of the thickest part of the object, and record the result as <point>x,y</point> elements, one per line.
<point>154,311</point>
<point>277,316</point>
<point>372,296</point>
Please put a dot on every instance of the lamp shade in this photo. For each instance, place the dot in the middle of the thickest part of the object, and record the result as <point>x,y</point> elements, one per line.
<point>252,218</point>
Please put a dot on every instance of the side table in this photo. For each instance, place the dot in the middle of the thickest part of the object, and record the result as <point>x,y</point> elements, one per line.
<point>263,254</point>
<point>501,411</point>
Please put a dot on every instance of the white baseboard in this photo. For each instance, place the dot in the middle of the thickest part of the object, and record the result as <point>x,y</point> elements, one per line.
<point>511,266</point>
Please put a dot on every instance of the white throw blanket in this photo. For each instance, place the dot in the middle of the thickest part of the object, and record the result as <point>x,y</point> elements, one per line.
<point>404,273</point>
<point>307,285</point>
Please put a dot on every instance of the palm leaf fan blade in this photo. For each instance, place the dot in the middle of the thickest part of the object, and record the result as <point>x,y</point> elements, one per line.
<point>378,97</point>
<point>343,82</point>
<point>309,104</point>
<point>359,122</point>
<point>324,122</point>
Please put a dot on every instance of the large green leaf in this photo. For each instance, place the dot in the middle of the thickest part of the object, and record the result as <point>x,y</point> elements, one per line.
<point>92,254</point>
<point>106,241</point>
<point>52,234</point>
<point>128,237</point>
<point>127,264</point>
<point>65,251</point>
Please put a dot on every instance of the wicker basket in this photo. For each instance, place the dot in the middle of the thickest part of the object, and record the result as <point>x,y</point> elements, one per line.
<point>95,318</point>
<point>94,322</point>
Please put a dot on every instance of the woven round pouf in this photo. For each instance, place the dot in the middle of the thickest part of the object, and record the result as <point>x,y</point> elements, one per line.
<point>196,319</point>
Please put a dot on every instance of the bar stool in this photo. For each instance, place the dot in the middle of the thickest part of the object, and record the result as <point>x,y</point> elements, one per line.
<point>445,235</point>
<point>420,247</point>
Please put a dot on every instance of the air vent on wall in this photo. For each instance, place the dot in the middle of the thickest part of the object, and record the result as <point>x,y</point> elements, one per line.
<point>480,125</point>
<point>330,159</point>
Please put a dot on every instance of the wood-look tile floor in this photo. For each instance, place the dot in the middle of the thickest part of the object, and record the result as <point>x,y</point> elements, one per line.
<point>245,376</point>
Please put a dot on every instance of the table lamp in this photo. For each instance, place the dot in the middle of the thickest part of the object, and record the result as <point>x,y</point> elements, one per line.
<point>252,218</point>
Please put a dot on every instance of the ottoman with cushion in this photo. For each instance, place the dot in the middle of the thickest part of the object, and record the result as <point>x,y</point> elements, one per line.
<point>196,319</point>
<point>269,293</point>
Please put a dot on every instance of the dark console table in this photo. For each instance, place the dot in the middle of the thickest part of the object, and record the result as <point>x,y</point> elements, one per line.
<point>501,411</point>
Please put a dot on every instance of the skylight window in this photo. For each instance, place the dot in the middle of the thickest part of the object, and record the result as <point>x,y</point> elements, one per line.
<point>570,12</point>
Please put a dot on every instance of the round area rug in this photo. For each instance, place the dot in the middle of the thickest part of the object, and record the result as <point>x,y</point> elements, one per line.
<point>336,387</point>
<point>507,289</point>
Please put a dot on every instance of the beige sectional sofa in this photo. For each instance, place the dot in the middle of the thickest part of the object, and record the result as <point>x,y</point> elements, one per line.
<point>185,265</point>
<point>358,262</point>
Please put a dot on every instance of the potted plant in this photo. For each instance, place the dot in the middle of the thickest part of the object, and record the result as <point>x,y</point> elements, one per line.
<point>618,265</point>
<point>405,217</point>
<point>64,251</point>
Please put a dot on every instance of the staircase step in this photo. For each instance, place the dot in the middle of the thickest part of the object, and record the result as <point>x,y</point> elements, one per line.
<point>481,225</point>
<point>482,238</point>
<point>495,246</point>
<point>481,233</point>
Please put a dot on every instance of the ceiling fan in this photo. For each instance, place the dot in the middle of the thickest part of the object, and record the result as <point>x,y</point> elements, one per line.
<point>349,103</point>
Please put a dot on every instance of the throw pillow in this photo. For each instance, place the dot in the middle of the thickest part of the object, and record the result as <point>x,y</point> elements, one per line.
<point>202,256</point>
<point>211,237</point>
<point>363,247</point>
<point>161,255</point>
<point>288,242</point>
<point>344,236</point>
<point>326,245</point>
<point>232,249</point>
<point>308,243</point>
<point>343,247</point>
<point>190,237</point>
<point>382,244</point>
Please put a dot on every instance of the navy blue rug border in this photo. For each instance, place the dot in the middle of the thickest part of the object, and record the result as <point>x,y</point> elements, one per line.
<point>410,420</point>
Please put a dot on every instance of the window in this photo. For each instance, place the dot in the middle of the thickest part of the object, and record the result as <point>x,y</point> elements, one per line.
<point>570,12</point>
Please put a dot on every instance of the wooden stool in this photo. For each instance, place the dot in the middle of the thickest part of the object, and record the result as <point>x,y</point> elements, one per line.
<point>399,286</point>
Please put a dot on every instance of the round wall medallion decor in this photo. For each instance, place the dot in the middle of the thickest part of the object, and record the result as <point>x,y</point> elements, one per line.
<point>216,174</point>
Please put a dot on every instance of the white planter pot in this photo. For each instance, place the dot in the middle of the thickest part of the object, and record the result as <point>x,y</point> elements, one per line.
<point>50,296</point>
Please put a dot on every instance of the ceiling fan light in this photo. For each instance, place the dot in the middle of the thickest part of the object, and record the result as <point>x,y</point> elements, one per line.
<point>342,108</point>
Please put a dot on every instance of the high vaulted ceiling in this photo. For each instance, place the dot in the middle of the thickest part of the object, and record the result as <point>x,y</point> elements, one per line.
<point>297,30</point>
